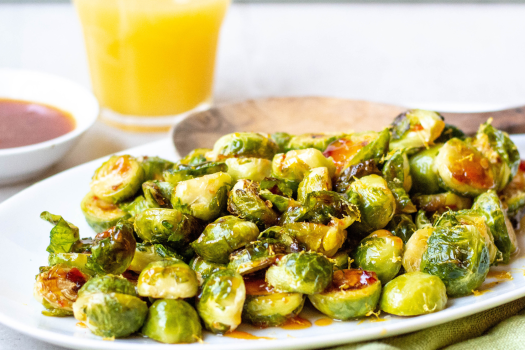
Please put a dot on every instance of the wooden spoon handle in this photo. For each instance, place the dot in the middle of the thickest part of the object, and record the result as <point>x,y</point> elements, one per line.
<point>510,120</point>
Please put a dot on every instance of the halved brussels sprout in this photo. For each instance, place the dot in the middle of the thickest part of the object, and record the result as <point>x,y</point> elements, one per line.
<point>56,288</point>
<point>256,256</point>
<point>376,202</point>
<point>317,179</point>
<point>415,248</point>
<point>63,236</point>
<point>514,196</point>
<point>281,139</point>
<point>146,253</point>
<point>396,172</point>
<point>221,300</point>
<point>317,237</point>
<point>172,322</point>
<point>113,249</point>
<point>136,206</point>
<point>425,179</point>
<point>450,132</point>
<point>183,172</point>
<point>244,202</point>
<point>264,307</point>
<point>284,236</point>
<point>442,202</point>
<point>280,187</point>
<point>353,293</point>
<point>306,273</point>
<point>222,237</point>
<point>244,144</point>
<point>255,169</point>
<point>380,252</point>
<point>463,170</point>
<point>100,215</point>
<point>157,193</point>
<point>416,128</point>
<point>166,226</point>
<point>154,167</point>
<point>402,226</point>
<point>459,256</point>
<point>293,165</point>
<point>78,260</point>
<point>341,259</point>
<point>167,279</point>
<point>117,179</point>
<point>203,197</point>
<point>490,206</point>
<point>280,203</point>
<point>204,269</point>
<point>107,284</point>
<point>317,141</point>
<point>414,293</point>
<point>197,156</point>
<point>422,220</point>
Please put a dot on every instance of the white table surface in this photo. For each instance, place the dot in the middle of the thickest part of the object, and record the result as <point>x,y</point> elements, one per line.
<point>407,54</point>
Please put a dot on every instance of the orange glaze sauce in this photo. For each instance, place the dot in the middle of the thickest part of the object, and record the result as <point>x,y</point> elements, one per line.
<point>343,150</point>
<point>504,275</point>
<point>256,285</point>
<point>25,123</point>
<point>296,323</point>
<point>323,322</point>
<point>245,336</point>
<point>81,325</point>
<point>351,279</point>
<point>472,168</point>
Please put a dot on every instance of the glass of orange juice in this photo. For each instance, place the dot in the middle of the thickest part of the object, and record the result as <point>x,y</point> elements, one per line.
<point>151,61</point>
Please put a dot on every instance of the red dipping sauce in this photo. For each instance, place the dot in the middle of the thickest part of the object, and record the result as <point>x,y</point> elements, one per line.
<point>25,123</point>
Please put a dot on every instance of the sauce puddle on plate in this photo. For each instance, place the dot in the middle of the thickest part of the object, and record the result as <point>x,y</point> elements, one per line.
<point>323,322</point>
<point>245,336</point>
<point>296,323</point>
<point>24,123</point>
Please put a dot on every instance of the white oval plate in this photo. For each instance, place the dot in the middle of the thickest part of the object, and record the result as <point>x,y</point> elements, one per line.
<point>25,237</point>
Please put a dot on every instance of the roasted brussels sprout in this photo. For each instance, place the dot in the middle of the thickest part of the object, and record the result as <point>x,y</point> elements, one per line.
<point>317,237</point>
<point>380,252</point>
<point>244,144</point>
<point>353,293</point>
<point>490,206</point>
<point>204,269</point>
<point>78,260</point>
<point>317,141</point>
<point>197,156</point>
<point>135,206</point>
<point>222,237</point>
<point>100,215</point>
<point>284,236</point>
<point>256,256</point>
<point>416,128</point>
<point>281,139</point>
<point>107,284</point>
<point>204,197</point>
<point>264,307</point>
<point>513,196</point>
<point>146,253</point>
<point>280,203</point>
<point>157,193</point>
<point>280,187</point>
<point>415,248</point>
<point>166,226</point>
<point>442,202</point>
<point>183,172</point>
<point>459,256</point>
<point>172,322</point>
<point>56,288</point>
<point>422,220</point>
<point>463,170</point>
<point>117,179</point>
<point>396,172</point>
<point>63,236</point>
<point>402,226</point>
<point>317,179</point>
<point>293,165</point>
<point>414,293</point>
<point>167,279</point>
<point>244,202</point>
<point>221,300</point>
<point>306,273</point>
<point>424,176</point>
<point>376,202</point>
<point>341,259</point>
<point>255,169</point>
<point>450,132</point>
<point>154,167</point>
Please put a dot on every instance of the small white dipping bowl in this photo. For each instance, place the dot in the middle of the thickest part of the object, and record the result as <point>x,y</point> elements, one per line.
<point>23,163</point>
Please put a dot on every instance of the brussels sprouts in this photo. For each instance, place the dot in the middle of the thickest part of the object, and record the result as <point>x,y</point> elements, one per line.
<point>450,132</point>
<point>221,300</point>
<point>284,236</point>
<point>256,256</point>
<point>172,322</point>
<point>279,203</point>
<point>264,307</point>
<point>396,172</point>
<point>222,237</point>
<point>307,273</point>
<point>154,167</point>
<point>341,259</point>
<point>317,141</point>
<point>442,202</point>
<point>244,144</point>
<point>64,235</point>
<point>317,179</point>
<point>502,153</point>
<point>415,248</point>
<point>255,169</point>
<point>318,238</point>
<point>204,269</point>
<point>183,172</point>
<point>416,128</point>
<point>113,249</point>
<point>78,260</point>
<point>414,293</point>
<point>100,215</point>
<point>244,202</point>
<point>157,193</point>
<point>380,252</point>
<point>56,288</point>
<point>350,174</point>
<point>167,279</point>
<point>402,226</point>
<point>166,226</point>
<point>203,197</point>
<point>281,139</point>
<point>107,284</point>
<point>377,204</point>
<point>117,179</point>
<point>293,165</point>
<point>463,170</point>
<point>280,187</point>
<point>136,206</point>
<point>422,220</point>
<point>424,176</point>
<point>146,253</point>
<point>459,256</point>
<point>197,156</point>
<point>353,293</point>
<point>490,206</point>
<point>513,196</point>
